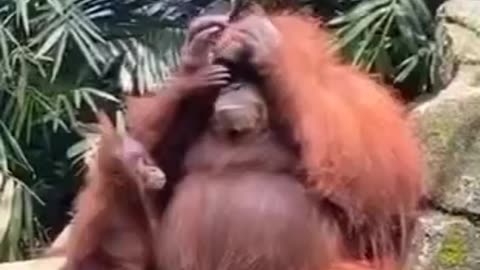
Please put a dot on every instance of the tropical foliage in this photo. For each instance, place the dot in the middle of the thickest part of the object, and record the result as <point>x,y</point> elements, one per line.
<point>392,37</point>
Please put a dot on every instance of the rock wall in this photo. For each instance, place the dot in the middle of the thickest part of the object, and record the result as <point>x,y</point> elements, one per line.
<point>449,125</point>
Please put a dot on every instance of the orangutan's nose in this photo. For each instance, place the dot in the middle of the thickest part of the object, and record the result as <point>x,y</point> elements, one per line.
<point>234,121</point>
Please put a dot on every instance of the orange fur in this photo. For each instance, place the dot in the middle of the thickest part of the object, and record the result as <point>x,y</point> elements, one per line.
<point>109,230</point>
<point>351,130</point>
<point>358,266</point>
<point>357,145</point>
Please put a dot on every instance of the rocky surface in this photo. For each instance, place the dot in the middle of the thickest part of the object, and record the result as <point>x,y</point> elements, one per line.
<point>449,126</point>
<point>446,242</point>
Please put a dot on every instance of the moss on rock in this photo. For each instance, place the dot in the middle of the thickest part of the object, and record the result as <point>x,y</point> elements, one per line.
<point>453,251</point>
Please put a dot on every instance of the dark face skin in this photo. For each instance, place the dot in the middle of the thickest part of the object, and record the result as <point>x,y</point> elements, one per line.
<point>239,111</point>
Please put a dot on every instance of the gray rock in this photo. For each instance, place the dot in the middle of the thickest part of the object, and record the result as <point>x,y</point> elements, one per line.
<point>457,39</point>
<point>449,127</point>
<point>444,242</point>
<point>449,123</point>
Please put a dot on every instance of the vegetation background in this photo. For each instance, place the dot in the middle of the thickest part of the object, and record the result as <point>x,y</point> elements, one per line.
<point>62,60</point>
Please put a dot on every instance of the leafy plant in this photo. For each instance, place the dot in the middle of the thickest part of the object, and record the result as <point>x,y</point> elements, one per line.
<point>392,37</point>
<point>329,8</point>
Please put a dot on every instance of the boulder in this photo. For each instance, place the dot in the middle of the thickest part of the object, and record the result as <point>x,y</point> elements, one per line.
<point>449,127</point>
<point>445,242</point>
<point>448,236</point>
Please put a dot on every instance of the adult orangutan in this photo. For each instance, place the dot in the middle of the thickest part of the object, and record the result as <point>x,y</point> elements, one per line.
<point>355,144</point>
<point>356,149</point>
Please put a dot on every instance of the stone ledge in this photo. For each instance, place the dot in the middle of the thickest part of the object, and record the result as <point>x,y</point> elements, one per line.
<point>50,263</point>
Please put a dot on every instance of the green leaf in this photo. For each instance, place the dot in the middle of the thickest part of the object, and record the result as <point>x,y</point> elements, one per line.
<point>405,9</point>
<point>383,39</point>
<point>362,25</point>
<point>56,5</point>
<point>50,27</point>
<point>369,37</point>
<point>51,40</point>
<point>406,31</point>
<point>59,57</point>
<point>38,65</point>
<point>362,10</point>
<point>383,62</point>
<point>99,93</point>
<point>22,13</point>
<point>418,12</point>
<point>21,117</point>
<point>86,96</point>
<point>406,67</point>
<point>15,226</point>
<point>28,215</point>
<point>77,149</point>
<point>87,25</point>
<point>67,106</point>
<point>423,11</point>
<point>5,51</point>
<point>7,194</point>
<point>13,145</point>
<point>3,158</point>
<point>77,99</point>
<point>86,52</point>
<point>29,123</point>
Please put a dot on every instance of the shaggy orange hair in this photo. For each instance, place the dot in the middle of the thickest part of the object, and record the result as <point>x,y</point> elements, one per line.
<point>357,145</point>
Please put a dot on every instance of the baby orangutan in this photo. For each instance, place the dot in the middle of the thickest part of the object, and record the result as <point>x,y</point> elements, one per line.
<point>110,229</point>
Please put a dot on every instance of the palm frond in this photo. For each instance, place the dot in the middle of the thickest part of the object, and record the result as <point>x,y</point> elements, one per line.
<point>64,22</point>
<point>147,61</point>
<point>393,37</point>
<point>16,211</point>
